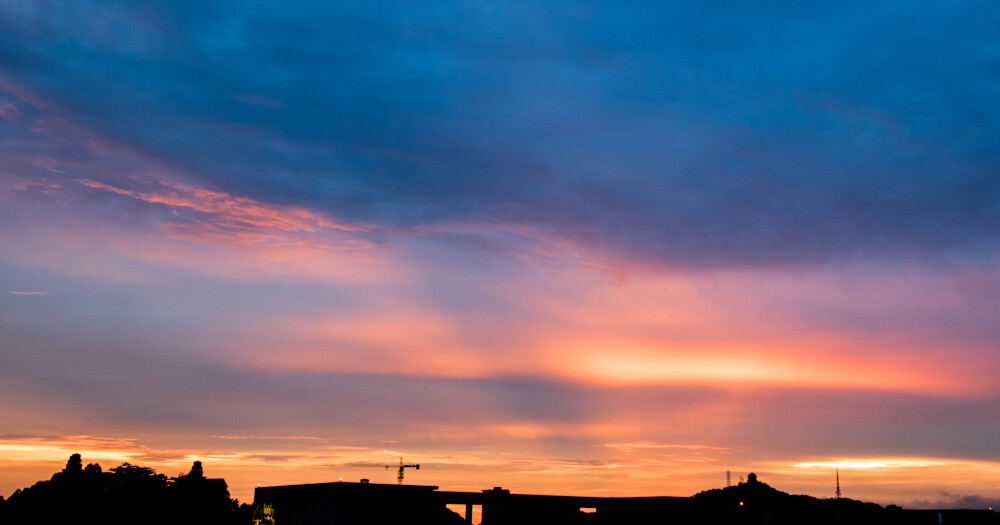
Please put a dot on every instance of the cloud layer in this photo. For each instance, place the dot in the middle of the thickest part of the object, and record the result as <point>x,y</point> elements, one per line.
<point>602,248</point>
<point>692,136</point>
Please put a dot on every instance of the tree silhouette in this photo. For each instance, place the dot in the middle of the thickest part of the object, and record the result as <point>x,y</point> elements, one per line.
<point>74,465</point>
<point>126,494</point>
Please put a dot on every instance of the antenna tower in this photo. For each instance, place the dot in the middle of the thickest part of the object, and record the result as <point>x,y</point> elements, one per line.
<point>729,482</point>
<point>838,482</point>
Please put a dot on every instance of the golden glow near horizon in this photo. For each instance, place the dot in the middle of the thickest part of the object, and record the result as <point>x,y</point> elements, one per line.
<point>642,470</point>
<point>873,463</point>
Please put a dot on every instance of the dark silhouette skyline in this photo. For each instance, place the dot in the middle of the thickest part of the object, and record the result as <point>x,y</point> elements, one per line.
<point>748,503</point>
<point>132,493</point>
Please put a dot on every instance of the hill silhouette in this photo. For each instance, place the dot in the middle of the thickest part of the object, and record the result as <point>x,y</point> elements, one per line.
<point>755,502</point>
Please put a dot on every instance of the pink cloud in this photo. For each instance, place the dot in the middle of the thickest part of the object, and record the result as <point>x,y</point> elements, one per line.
<point>660,330</point>
<point>9,111</point>
<point>228,212</point>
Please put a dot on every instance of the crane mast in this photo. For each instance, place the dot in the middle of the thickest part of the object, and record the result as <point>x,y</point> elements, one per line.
<point>399,473</point>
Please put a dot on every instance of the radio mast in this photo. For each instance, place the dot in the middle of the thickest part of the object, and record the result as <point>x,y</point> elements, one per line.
<point>838,482</point>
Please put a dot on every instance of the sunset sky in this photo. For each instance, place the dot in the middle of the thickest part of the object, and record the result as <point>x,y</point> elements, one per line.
<point>589,248</point>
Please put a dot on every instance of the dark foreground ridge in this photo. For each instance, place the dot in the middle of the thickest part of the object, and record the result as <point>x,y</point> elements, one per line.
<point>753,502</point>
<point>130,494</point>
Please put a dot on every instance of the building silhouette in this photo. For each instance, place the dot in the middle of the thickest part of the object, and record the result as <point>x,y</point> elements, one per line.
<point>750,503</point>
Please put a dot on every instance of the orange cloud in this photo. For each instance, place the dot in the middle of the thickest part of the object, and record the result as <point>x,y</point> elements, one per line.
<point>615,337</point>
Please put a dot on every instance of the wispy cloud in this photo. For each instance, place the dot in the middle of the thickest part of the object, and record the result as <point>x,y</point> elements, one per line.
<point>646,445</point>
<point>957,501</point>
<point>15,292</point>
<point>873,463</point>
<point>273,438</point>
<point>9,111</point>
<point>37,447</point>
<point>223,217</point>
<point>97,442</point>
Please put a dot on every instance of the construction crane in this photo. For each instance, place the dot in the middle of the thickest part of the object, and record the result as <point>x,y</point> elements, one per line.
<point>399,475</point>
